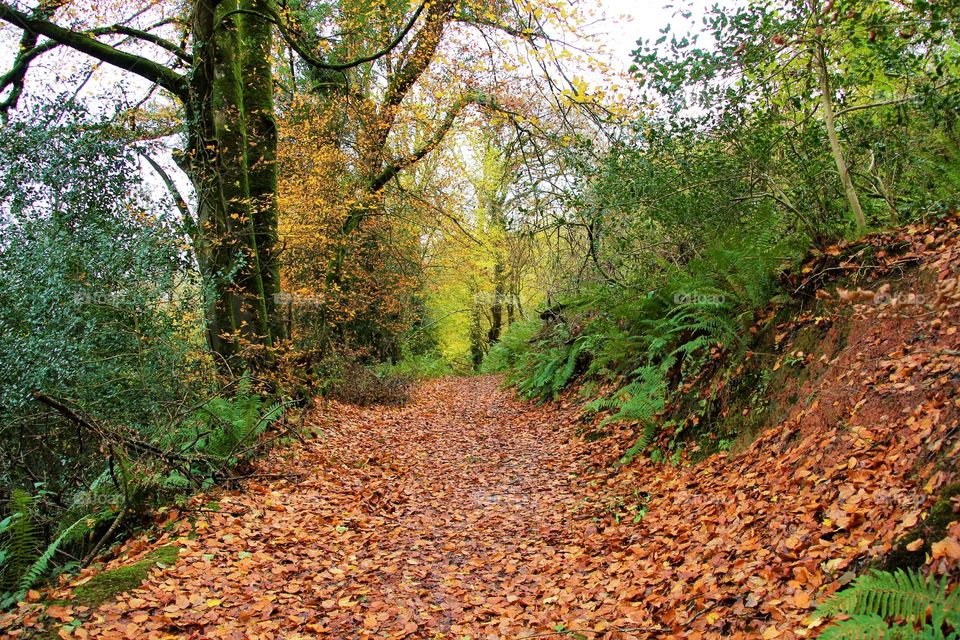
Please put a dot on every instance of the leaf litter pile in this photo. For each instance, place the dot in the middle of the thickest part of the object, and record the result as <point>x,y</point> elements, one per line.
<point>471,514</point>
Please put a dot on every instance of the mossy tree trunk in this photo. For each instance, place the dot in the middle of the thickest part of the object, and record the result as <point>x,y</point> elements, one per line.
<point>257,53</point>
<point>231,151</point>
<point>232,162</point>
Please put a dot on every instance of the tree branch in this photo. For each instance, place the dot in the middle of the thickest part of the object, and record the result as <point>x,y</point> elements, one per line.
<point>146,36</point>
<point>143,67</point>
<point>427,39</point>
<point>27,51</point>
<point>190,225</point>
<point>15,78</point>
<point>528,34</point>
<point>891,103</point>
<point>304,52</point>
<point>397,165</point>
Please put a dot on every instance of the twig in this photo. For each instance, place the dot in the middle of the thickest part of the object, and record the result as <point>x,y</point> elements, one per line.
<point>179,462</point>
<point>103,539</point>
<point>268,476</point>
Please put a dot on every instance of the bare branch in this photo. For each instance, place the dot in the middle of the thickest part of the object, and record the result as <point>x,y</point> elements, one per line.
<point>304,52</point>
<point>170,80</point>
<point>146,36</point>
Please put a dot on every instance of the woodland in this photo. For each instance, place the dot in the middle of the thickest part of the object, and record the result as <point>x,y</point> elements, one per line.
<point>403,319</point>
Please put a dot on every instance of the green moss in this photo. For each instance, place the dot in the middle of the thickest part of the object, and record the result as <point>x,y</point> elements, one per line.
<point>931,529</point>
<point>109,584</point>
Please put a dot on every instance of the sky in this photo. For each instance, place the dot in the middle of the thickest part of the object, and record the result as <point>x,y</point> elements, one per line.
<point>629,20</point>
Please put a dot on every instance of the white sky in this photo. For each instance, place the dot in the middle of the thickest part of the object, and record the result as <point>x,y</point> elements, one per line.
<point>629,20</point>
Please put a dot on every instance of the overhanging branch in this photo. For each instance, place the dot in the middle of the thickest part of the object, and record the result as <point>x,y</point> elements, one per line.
<point>304,51</point>
<point>146,36</point>
<point>143,67</point>
<point>396,166</point>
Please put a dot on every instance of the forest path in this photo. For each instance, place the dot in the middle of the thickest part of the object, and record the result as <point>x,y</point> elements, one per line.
<point>447,518</point>
<point>470,515</point>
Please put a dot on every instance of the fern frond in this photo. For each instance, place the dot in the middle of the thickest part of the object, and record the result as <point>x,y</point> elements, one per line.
<point>896,604</point>
<point>641,444</point>
<point>899,595</point>
<point>42,564</point>
<point>857,627</point>
<point>21,539</point>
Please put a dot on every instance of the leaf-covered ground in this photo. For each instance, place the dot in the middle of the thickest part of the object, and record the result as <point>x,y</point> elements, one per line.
<point>470,514</point>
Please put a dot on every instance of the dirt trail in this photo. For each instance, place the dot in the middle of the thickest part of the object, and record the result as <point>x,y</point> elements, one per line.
<point>471,515</point>
<point>429,521</point>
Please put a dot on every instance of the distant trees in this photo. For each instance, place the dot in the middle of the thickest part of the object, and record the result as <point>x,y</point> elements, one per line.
<point>227,63</point>
<point>788,84</point>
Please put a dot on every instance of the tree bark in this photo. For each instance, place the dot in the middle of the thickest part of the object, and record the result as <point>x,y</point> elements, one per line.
<point>257,50</point>
<point>830,122</point>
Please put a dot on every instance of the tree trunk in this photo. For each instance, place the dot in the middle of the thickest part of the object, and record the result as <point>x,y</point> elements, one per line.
<point>257,48</point>
<point>232,163</point>
<point>496,309</point>
<point>477,346</point>
<point>829,120</point>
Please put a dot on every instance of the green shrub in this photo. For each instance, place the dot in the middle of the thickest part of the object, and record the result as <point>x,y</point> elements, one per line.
<point>24,559</point>
<point>513,345</point>
<point>653,335</point>
<point>230,425</point>
<point>100,310</point>
<point>422,366</point>
<point>903,604</point>
<point>19,540</point>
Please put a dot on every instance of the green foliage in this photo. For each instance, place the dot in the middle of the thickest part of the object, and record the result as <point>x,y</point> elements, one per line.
<point>654,333</point>
<point>42,564</point>
<point>100,309</point>
<point>416,366</point>
<point>94,288</point>
<point>742,108</point>
<point>96,299</point>
<point>545,371</point>
<point>229,425</point>
<point>902,604</point>
<point>23,558</point>
<point>638,401</point>
<point>513,346</point>
<point>20,540</point>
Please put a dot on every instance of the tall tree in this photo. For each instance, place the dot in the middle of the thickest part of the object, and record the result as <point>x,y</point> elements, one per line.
<point>226,98</point>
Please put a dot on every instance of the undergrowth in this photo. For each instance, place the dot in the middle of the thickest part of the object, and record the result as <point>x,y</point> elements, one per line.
<point>647,339</point>
<point>46,533</point>
<point>903,605</point>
